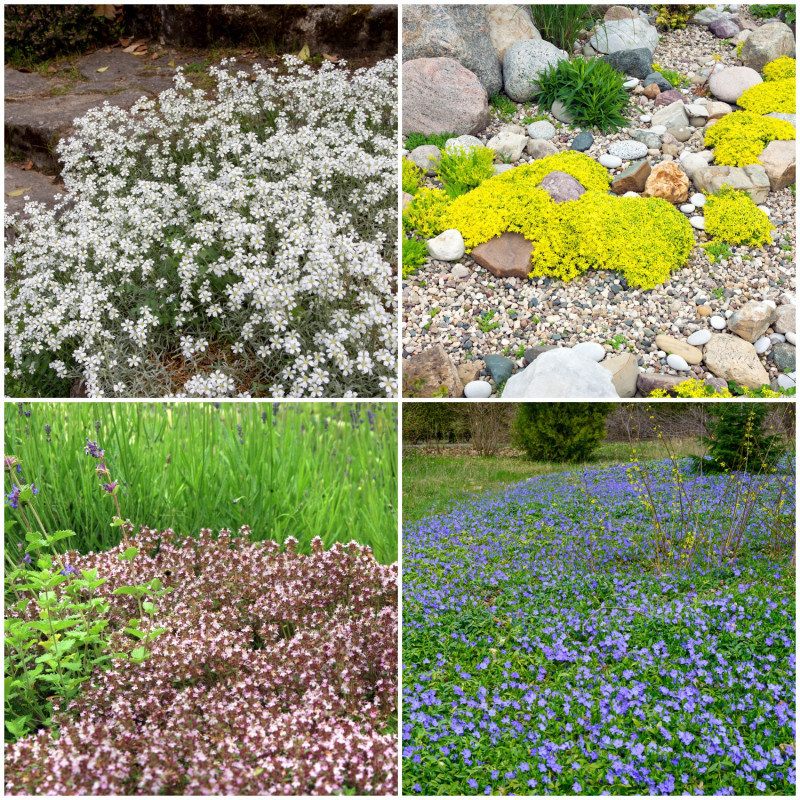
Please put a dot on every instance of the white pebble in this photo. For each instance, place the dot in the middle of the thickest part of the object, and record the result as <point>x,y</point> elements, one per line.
<point>631,83</point>
<point>630,194</point>
<point>698,222</point>
<point>645,118</point>
<point>447,246</point>
<point>659,129</point>
<point>479,389</point>
<point>698,199</point>
<point>688,208</point>
<point>777,337</point>
<point>718,322</point>
<point>661,353</point>
<point>762,345</point>
<point>766,210</point>
<point>590,350</point>
<point>699,338</point>
<point>609,161</point>
<point>791,337</point>
<point>677,362</point>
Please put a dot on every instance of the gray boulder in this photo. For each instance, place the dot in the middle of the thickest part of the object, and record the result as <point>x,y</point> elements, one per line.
<point>624,34</point>
<point>632,62</point>
<point>458,32</point>
<point>752,179</point>
<point>522,64</point>
<point>724,28</point>
<point>561,187</point>
<point>765,44</point>
<point>658,79</point>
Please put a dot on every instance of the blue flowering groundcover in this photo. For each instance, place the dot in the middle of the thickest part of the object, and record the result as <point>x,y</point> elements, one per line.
<point>545,651</point>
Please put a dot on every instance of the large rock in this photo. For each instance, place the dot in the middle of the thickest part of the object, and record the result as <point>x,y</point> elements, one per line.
<point>648,382</point>
<point>707,15</point>
<point>522,64</point>
<point>669,182</point>
<point>430,373</point>
<point>632,179</point>
<point>23,84</point>
<point>752,319</point>
<point>751,179</point>
<point>561,373</point>
<point>508,25</point>
<point>729,84</point>
<point>624,370</point>
<point>619,12</point>
<point>765,44</point>
<point>672,116</point>
<point>691,162</point>
<point>734,359</point>
<point>441,96</point>
<point>724,28</point>
<point>561,187</point>
<point>505,256</point>
<point>632,62</point>
<point>460,32</point>
<point>779,161</point>
<point>540,148</point>
<point>784,356</point>
<point>350,31</point>
<point>624,34</point>
<point>786,319</point>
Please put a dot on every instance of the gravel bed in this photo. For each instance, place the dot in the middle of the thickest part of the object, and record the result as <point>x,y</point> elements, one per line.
<point>441,307</point>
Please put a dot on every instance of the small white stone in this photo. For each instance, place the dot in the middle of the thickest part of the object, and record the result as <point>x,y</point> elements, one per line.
<point>590,350</point>
<point>630,194</point>
<point>688,208</point>
<point>460,271</point>
<point>698,199</point>
<point>785,382</point>
<point>661,353</point>
<point>479,389</point>
<point>677,362</point>
<point>718,322</point>
<point>777,337</point>
<point>447,246</point>
<point>762,345</point>
<point>631,83</point>
<point>645,118</point>
<point>766,210</point>
<point>659,129</point>
<point>698,222</point>
<point>609,161</point>
<point>791,337</point>
<point>699,338</point>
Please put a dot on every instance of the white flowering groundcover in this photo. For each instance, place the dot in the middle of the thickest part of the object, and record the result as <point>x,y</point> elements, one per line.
<point>241,244</point>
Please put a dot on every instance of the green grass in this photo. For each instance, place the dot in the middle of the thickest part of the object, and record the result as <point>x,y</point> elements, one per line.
<point>183,465</point>
<point>433,483</point>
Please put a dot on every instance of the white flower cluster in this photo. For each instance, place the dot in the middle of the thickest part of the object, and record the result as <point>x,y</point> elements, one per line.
<point>243,243</point>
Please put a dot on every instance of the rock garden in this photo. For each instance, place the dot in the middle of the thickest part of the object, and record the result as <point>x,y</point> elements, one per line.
<point>598,201</point>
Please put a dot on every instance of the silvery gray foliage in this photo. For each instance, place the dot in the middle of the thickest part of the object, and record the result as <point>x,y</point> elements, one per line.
<point>216,246</point>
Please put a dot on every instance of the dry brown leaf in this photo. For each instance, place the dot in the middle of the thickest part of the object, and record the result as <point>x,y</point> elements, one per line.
<point>109,12</point>
<point>22,69</point>
<point>51,68</point>
<point>106,49</point>
<point>155,56</point>
<point>329,57</point>
<point>19,192</point>
<point>102,69</point>
<point>142,52</point>
<point>27,166</point>
<point>126,41</point>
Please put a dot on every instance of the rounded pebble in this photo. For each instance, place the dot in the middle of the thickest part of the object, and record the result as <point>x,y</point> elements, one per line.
<point>677,362</point>
<point>609,161</point>
<point>688,208</point>
<point>590,350</point>
<point>659,129</point>
<point>791,337</point>
<point>698,199</point>
<point>699,338</point>
<point>718,322</point>
<point>629,84</point>
<point>628,150</point>
<point>765,210</point>
<point>645,118</point>
<point>630,194</point>
<point>698,222</point>
<point>762,345</point>
<point>777,337</point>
<point>541,130</point>
<point>479,389</point>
